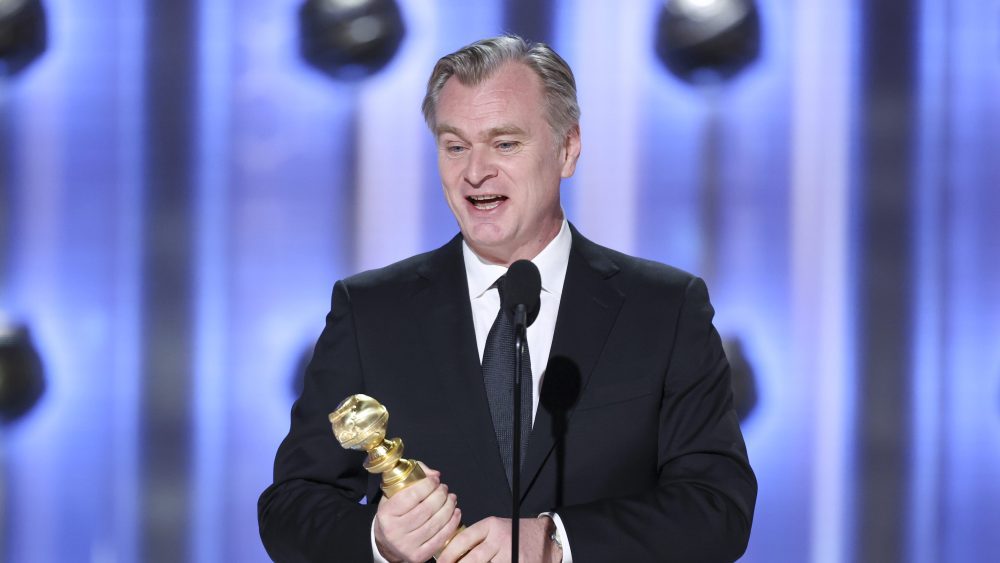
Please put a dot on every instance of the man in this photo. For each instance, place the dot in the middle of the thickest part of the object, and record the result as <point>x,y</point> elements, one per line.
<point>635,452</point>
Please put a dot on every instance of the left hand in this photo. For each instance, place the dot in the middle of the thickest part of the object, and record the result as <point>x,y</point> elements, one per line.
<point>489,541</point>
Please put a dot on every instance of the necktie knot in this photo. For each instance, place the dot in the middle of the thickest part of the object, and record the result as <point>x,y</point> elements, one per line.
<point>499,285</point>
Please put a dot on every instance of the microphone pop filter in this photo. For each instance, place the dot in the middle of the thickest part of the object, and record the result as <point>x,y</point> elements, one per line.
<point>523,286</point>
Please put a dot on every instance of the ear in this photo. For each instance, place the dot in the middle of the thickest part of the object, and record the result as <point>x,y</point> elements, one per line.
<point>570,151</point>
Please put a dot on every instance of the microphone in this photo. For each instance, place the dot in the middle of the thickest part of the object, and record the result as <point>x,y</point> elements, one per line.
<point>522,296</point>
<point>523,286</point>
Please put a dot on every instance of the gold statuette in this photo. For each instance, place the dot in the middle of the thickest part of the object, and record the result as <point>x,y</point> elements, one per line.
<point>359,423</point>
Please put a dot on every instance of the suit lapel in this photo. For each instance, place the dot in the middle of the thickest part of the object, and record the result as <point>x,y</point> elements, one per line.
<point>442,304</point>
<point>587,310</point>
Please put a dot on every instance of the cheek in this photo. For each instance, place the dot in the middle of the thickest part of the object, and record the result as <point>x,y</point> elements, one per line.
<point>449,183</point>
<point>453,198</point>
<point>448,171</point>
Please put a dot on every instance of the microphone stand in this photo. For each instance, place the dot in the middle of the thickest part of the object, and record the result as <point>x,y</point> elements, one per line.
<point>520,329</point>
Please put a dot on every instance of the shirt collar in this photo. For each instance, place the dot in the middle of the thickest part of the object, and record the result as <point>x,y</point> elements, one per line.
<point>551,262</point>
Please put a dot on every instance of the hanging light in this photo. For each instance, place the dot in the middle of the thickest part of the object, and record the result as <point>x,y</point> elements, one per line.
<point>350,39</point>
<point>708,40</point>
<point>22,380</point>
<point>22,34</point>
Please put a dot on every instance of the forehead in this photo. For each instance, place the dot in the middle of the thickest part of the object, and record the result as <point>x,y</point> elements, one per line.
<point>512,94</point>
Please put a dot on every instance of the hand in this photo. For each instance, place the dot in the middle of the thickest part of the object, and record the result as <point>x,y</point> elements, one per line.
<point>416,522</point>
<point>489,541</point>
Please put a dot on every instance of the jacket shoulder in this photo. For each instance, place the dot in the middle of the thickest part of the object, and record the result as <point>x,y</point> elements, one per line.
<point>404,272</point>
<point>634,271</point>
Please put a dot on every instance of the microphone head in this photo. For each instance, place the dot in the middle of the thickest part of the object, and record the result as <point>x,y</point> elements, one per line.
<point>523,286</point>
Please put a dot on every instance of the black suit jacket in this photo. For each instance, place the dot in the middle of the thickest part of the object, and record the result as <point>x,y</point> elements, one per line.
<point>635,443</point>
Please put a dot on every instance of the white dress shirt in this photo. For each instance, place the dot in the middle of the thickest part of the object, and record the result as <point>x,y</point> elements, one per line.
<point>485,299</point>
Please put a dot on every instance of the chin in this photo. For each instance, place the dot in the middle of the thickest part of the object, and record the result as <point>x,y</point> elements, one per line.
<point>487,235</point>
<point>488,246</point>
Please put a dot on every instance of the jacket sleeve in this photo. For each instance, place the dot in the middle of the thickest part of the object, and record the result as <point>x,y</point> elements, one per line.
<point>702,504</point>
<point>312,511</point>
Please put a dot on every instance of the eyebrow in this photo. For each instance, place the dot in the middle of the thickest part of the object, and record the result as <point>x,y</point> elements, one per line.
<point>504,130</point>
<point>498,131</point>
<point>445,129</point>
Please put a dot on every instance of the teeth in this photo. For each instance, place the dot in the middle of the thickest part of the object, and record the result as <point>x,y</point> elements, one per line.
<point>486,202</point>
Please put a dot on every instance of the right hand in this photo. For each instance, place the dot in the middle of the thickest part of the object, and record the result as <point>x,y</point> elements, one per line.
<point>416,522</point>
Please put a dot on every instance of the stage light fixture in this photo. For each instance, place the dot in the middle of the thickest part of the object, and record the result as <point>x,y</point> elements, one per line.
<point>706,41</point>
<point>22,34</point>
<point>350,39</point>
<point>22,379</point>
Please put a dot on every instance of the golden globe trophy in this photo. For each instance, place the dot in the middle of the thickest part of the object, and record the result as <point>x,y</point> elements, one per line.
<point>359,423</point>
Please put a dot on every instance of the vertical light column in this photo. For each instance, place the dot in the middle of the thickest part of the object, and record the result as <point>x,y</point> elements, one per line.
<point>6,201</point>
<point>39,154</point>
<point>925,517</point>
<point>168,290</point>
<point>970,444</point>
<point>286,237</point>
<point>207,529</point>
<point>821,131</point>
<point>127,322</point>
<point>391,134</point>
<point>609,47</point>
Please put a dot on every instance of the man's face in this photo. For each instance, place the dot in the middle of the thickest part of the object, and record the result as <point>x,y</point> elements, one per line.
<point>501,165</point>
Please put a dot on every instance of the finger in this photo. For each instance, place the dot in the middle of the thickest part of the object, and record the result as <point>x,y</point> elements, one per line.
<point>464,542</point>
<point>406,533</point>
<point>437,520</point>
<point>405,500</point>
<point>446,533</point>
<point>484,552</point>
<point>412,527</point>
<point>423,521</point>
<point>495,546</point>
<point>428,471</point>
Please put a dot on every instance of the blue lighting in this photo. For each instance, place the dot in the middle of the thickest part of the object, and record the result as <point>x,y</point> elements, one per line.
<point>281,157</point>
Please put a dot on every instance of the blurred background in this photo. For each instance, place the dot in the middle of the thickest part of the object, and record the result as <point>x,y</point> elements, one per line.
<point>182,182</point>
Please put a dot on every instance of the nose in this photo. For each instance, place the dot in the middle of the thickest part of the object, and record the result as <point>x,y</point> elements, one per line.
<point>480,167</point>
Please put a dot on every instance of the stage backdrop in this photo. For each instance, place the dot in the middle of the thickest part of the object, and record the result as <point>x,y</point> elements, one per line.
<point>181,190</point>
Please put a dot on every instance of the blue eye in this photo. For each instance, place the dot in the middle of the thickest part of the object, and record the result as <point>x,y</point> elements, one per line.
<point>455,149</point>
<point>507,146</point>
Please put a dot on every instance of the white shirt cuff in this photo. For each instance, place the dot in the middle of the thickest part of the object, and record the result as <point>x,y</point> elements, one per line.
<point>567,553</point>
<point>375,554</point>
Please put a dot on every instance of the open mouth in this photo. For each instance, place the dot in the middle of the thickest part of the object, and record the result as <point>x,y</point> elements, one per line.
<point>486,202</point>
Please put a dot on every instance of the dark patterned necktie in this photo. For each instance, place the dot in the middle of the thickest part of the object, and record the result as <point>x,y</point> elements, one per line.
<point>498,375</point>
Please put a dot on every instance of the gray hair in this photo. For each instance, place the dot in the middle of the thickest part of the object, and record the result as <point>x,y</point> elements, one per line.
<point>478,61</point>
